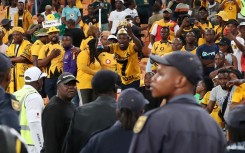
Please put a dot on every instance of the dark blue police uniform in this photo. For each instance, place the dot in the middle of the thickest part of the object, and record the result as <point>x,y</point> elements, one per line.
<point>112,140</point>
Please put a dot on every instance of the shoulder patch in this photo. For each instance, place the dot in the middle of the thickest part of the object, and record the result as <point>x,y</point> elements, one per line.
<point>15,104</point>
<point>140,124</point>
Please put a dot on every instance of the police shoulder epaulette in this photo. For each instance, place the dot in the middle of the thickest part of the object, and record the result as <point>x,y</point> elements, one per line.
<point>139,125</point>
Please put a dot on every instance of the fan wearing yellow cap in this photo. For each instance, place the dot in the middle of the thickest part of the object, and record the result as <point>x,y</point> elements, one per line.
<point>22,18</point>
<point>126,55</point>
<point>17,56</point>
<point>231,7</point>
<point>51,57</point>
<point>222,18</point>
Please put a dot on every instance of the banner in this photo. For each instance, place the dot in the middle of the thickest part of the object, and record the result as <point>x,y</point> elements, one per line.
<point>52,23</point>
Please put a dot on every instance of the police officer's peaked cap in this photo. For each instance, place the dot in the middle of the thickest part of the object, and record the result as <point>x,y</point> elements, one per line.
<point>188,64</point>
<point>5,63</point>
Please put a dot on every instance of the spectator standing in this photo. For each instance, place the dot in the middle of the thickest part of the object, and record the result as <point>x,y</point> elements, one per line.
<point>48,10</point>
<point>222,18</point>
<point>32,106</point>
<point>58,113</point>
<point>105,8</point>
<point>96,115</point>
<point>231,7</point>
<point>213,9</point>
<point>207,51</point>
<point>89,20</point>
<point>6,24</point>
<point>76,33</point>
<point>118,137</point>
<point>116,16</point>
<point>9,106</point>
<point>176,82</point>
<point>190,45</point>
<point>11,10</point>
<point>91,33</point>
<point>87,66</point>
<point>71,12</point>
<point>3,47</point>
<point>22,18</point>
<point>144,10</point>
<point>182,8</point>
<point>156,15</point>
<point>57,16</point>
<point>15,52</point>
<point>235,132</point>
<point>131,9</point>
<point>51,58</point>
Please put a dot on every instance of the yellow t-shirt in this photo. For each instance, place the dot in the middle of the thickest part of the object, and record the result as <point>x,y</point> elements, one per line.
<point>218,29</point>
<point>17,73</point>
<point>55,67</point>
<point>79,4</point>
<point>127,63</point>
<point>36,47</point>
<point>215,111</point>
<point>231,10</point>
<point>85,70</point>
<point>6,35</point>
<point>193,51</point>
<point>204,26</point>
<point>84,43</point>
<point>108,61</point>
<point>85,27</point>
<point>239,93</point>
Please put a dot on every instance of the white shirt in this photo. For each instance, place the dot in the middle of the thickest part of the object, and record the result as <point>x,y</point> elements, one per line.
<point>12,11</point>
<point>133,12</point>
<point>237,53</point>
<point>34,108</point>
<point>45,17</point>
<point>116,17</point>
<point>3,48</point>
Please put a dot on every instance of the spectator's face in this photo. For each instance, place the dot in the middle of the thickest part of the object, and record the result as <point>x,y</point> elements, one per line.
<point>176,45</point>
<point>203,14</point>
<point>66,41</point>
<point>242,29</point>
<point>233,76</point>
<point>104,40</point>
<point>219,60</point>
<point>123,41</point>
<point>54,37</point>
<point>200,87</point>
<point>223,48</point>
<point>223,79</point>
<point>166,16</point>
<point>68,90</point>
<point>40,19</point>
<point>137,20</point>
<point>17,37</point>
<point>147,79</point>
<point>190,38</point>
<point>163,82</point>
<point>118,4</point>
<point>71,2</point>
<point>48,10</point>
<point>13,2</point>
<point>233,28</point>
<point>209,36</point>
<point>44,39</point>
<point>164,33</point>
<point>91,10</point>
<point>20,6</point>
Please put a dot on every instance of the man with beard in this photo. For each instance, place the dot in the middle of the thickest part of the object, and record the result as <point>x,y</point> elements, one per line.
<point>51,57</point>
<point>32,106</point>
<point>15,52</point>
<point>58,113</point>
<point>126,55</point>
<point>165,22</point>
<point>22,18</point>
<point>175,127</point>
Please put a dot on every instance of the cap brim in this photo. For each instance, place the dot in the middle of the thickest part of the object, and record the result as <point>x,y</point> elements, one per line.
<point>160,60</point>
<point>69,80</point>
<point>222,43</point>
<point>41,35</point>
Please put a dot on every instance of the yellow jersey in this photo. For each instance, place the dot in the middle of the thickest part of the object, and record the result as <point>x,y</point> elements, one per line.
<point>231,9</point>
<point>218,29</point>
<point>239,94</point>
<point>215,111</point>
<point>84,43</point>
<point>55,67</point>
<point>17,73</point>
<point>192,51</point>
<point>36,47</point>
<point>86,70</point>
<point>85,27</point>
<point>108,61</point>
<point>204,26</point>
<point>127,63</point>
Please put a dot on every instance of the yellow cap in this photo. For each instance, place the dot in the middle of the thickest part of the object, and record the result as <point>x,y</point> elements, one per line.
<point>19,29</point>
<point>53,29</point>
<point>122,31</point>
<point>50,17</point>
<point>223,15</point>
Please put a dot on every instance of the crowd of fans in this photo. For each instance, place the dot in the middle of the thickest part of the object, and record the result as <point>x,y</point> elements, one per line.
<point>73,82</point>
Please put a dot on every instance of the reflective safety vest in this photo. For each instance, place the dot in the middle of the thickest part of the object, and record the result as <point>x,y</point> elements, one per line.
<point>21,96</point>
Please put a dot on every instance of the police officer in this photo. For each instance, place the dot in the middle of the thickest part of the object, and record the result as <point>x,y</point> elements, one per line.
<point>181,125</point>
<point>9,106</point>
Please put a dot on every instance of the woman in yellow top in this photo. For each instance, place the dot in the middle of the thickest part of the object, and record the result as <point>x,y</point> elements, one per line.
<point>91,33</point>
<point>87,65</point>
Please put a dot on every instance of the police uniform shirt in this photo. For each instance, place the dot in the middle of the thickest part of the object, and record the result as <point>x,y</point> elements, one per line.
<point>181,126</point>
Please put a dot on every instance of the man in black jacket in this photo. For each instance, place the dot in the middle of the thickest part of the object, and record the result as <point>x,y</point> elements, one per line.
<point>94,116</point>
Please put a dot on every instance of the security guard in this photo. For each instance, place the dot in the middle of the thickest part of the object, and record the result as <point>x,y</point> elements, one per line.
<point>182,125</point>
<point>9,107</point>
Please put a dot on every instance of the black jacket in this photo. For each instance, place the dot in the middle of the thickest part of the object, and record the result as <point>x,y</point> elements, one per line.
<point>88,119</point>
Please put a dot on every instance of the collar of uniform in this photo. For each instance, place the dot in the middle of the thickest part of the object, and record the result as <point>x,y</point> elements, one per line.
<point>189,99</point>
<point>29,86</point>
